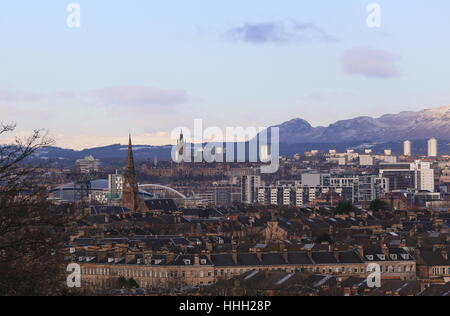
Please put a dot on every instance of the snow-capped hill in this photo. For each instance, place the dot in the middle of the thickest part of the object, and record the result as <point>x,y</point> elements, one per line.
<point>390,127</point>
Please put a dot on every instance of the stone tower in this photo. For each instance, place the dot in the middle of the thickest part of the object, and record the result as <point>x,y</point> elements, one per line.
<point>130,196</point>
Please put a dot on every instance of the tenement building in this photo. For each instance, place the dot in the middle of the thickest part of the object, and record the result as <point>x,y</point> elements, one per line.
<point>434,264</point>
<point>166,270</point>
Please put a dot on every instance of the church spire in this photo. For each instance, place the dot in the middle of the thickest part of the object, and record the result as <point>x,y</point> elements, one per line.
<point>130,195</point>
<point>130,163</point>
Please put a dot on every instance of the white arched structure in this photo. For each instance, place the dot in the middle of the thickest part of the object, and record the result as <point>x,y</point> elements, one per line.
<point>158,186</point>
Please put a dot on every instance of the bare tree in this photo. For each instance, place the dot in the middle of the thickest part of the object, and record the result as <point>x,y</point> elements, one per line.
<point>30,232</point>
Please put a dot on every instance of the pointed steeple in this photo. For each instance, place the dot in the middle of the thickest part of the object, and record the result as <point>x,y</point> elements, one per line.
<point>130,195</point>
<point>181,139</point>
<point>130,163</point>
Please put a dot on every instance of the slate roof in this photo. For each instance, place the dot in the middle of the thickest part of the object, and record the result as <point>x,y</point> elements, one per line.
<point>273,259</point>
<point>349,257</point>
<point>437,290</point>
<point>222,260</point>
<point>434,258</point>
<point>397,288</point>
<point>161,204</point>
<point>299,258</point>
<point>248,259</point>
<point>324,257</point>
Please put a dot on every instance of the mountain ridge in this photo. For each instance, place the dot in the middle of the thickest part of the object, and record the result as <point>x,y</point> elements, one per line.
<point>298,135</point>
<point>405,125</point>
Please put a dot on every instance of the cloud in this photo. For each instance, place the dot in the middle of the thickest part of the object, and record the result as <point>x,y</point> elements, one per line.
<point>371,63</point>
<point>13,113</point>
<point>278,33</point>
<point>11,95</point>
<point>139,96</point>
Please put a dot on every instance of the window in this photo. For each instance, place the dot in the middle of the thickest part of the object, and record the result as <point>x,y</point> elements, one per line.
<point>381,257</point>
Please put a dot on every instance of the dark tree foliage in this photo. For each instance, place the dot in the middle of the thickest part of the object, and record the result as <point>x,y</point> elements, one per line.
<point>324,237</point>
<point>379,205</point>
<point>124,283</point>
<point>30,234</point>
<point>345,207</point>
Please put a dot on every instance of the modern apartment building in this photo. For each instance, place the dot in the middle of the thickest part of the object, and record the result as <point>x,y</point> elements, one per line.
<point>249,183</point>
<point>88,165</point>
<point>355,188</point>
<point>432,147</point>
<point>409,176</point>
<point>115,185</point>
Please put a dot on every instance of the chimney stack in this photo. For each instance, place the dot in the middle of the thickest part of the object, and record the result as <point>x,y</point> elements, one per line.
<point>286,255</point>
<point>170,256</point>
<point>235,256</point>
<point>102,256</point>
<point>197,260</point>
<point>129,257</point>
<point>258,254</point>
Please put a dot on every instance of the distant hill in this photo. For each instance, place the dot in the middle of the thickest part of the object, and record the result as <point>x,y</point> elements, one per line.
<point>298,136</point>
<point>387,128</point>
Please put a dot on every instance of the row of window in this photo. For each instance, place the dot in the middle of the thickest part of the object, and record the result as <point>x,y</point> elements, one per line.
<point>135,273</point>
<point>441,271</point>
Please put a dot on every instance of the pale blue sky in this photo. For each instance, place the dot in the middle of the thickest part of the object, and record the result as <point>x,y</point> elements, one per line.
<point>146,66</point>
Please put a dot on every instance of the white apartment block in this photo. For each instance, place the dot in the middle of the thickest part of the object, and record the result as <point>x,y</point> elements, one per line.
<point>417,175</point>
<point>249,185</point>
<point>432,147</point>
<point>115,185</point>
<point>355,189</point>
<point>366,160</point>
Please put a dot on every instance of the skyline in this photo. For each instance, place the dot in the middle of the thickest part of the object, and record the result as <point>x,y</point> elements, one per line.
<point>173,136</point>
<point>243,64</point>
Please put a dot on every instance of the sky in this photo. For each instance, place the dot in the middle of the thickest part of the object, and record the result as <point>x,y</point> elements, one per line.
<point>148,67</point>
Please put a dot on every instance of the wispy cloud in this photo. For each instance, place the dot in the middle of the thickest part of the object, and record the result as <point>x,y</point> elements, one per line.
<point>371,63</point>
<point>126,96</point>
<point>139,96</point>
<point>279,32</point>
<point>12,113</point>
<point>12,95</point>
